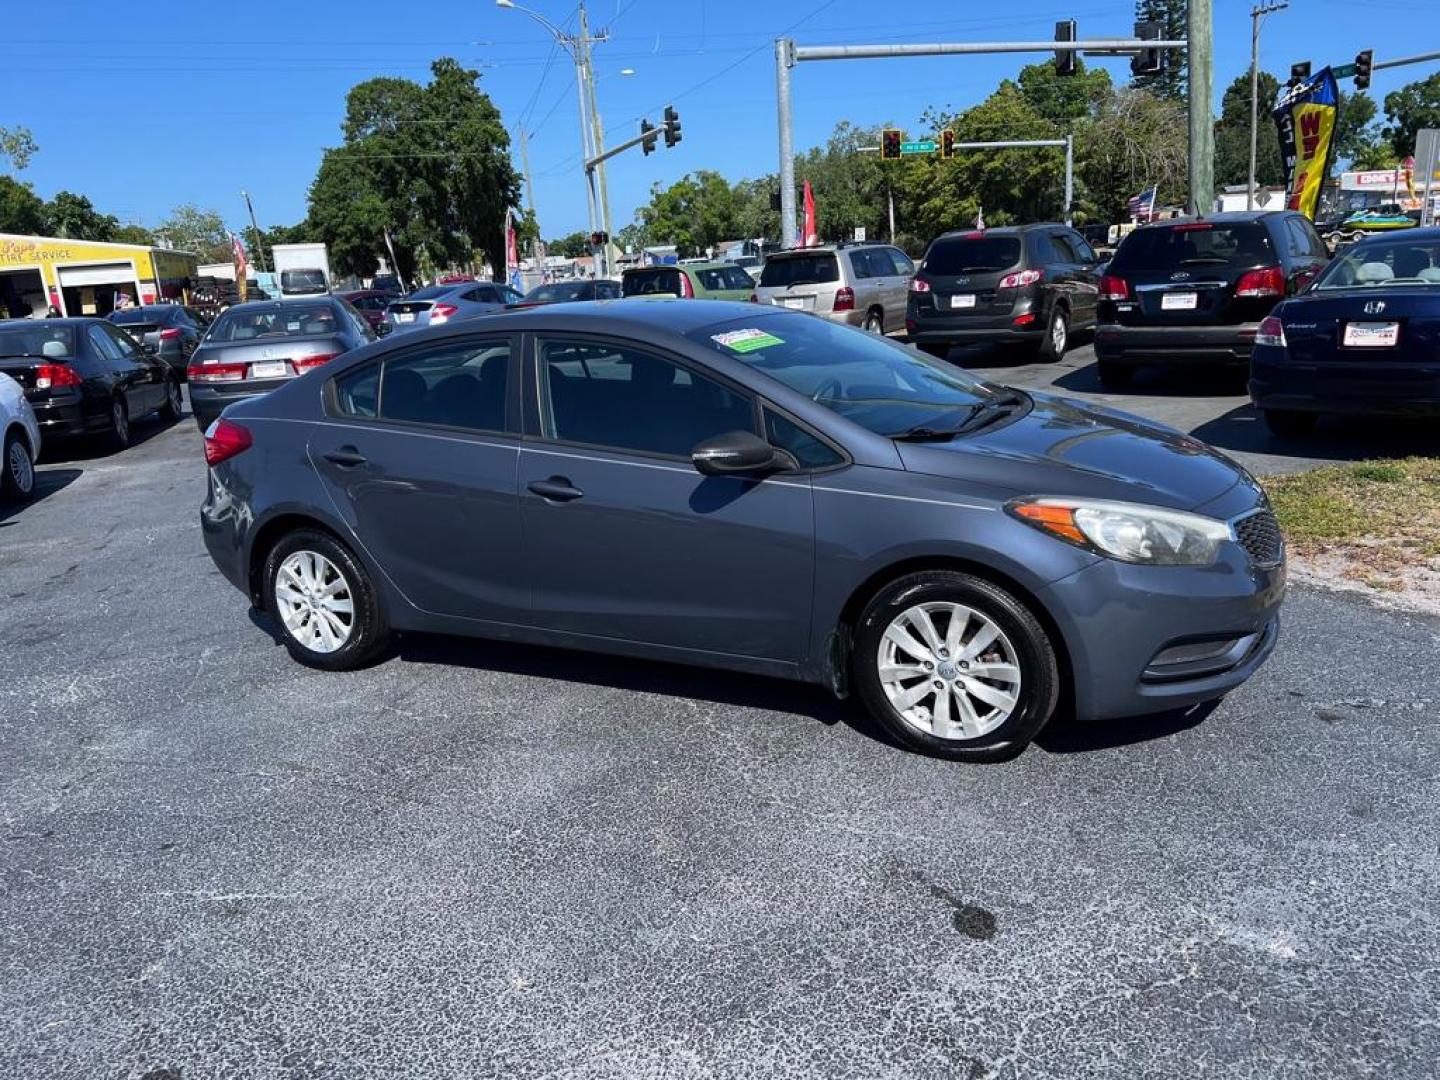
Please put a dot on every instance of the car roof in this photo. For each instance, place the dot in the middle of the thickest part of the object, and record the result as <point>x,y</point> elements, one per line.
<point>642,318</point>
<point>1004,230</point>
<point>69,320</point>
<point>677,266</point>
<point>251,306</point>
<point>1229,217</point>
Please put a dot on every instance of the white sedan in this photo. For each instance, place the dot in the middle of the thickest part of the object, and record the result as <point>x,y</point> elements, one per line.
<point>21,441</point>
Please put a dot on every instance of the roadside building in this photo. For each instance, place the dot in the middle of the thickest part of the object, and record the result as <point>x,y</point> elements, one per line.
<point>84,277</point>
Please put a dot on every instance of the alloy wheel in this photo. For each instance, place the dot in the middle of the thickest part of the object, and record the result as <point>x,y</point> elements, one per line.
<point>314,601</point>
<point>949,671</point>
<point>22,469</point>
<point>120,419</point>
<point>1059,334</point>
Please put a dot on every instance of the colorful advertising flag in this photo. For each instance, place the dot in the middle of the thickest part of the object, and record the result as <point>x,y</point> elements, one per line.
<point>1306,119</point>
<point>242,265</point>
<point>812,233</point>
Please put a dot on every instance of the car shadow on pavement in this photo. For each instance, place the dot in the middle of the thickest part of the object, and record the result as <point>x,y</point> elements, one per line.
<point>1068,736</point>
<point>96,447</point>
<point>1199,381</point>
<point>1335,438</point>
<point>47,483</point>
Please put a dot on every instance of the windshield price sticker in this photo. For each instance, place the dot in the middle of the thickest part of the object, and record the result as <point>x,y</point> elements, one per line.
<point>744,341</point>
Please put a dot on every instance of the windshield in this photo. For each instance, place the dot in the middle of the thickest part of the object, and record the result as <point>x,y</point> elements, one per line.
<point>661,280</point>
<point>569,290</point>
<point>37,339</point>
<point>1384,262</point>
<point>273,322</point>
<point>971,254</point>
<point>430,292</point>
<point>878,384</point>
<point>782,271</point>
<point>302,281</point>
<point>1158,248</point>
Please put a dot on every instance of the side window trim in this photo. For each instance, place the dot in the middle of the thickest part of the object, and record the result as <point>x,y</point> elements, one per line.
<point>536,390</point>
<point>768,406</point>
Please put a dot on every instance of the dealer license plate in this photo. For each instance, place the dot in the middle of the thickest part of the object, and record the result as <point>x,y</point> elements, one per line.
<point>270,369</point>
<point>1371,335</point>
<point>965,299</point>
<point>405,316</point>
<point>800,304</point>
<point>1179,301</point>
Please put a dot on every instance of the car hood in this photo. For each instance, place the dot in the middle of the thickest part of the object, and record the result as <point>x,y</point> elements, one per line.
<point>1063,448</point>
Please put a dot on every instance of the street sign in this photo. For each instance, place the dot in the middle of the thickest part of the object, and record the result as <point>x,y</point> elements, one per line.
<point>860,234</point>
<point>1344,71</point>
<point>919,146</point>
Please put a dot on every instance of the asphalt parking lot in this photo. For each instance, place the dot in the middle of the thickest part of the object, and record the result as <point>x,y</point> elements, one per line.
<point>482,860</point>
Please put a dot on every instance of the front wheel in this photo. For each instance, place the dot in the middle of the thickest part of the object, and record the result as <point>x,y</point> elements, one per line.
<point>325,603</point>
<point>17,469</point>
<point>1289,424</point>
<point>955,667</point>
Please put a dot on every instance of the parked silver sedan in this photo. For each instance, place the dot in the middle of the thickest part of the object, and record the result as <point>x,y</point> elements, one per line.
<point>437,304</point>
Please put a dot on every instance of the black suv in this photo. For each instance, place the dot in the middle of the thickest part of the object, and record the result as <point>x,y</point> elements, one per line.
<point>1193,290</point>
<point>1030,283</point>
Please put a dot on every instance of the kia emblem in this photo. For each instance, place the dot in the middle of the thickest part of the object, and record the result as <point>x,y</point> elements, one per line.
<point>1374,307</point>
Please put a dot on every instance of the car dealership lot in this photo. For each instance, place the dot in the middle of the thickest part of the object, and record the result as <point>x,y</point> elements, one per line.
<point>496,860</point>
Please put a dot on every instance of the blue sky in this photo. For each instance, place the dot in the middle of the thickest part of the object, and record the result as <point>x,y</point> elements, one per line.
<point>143,112</point>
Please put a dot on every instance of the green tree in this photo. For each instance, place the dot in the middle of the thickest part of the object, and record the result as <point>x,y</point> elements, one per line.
<point>572,246</point>
<point>695,213</point>
<point>1232,134</point>
<point>1064,99</point>
<point>1358,137</point>
<point>1414,106</point>
<point>74,217</point>
<point>1137,139</point>
<point>21,210</point>
<point>189,228</point>
<point>132,233</point>
<point>1172,15</point>
<point>632,238</point>
<point>18,145</point>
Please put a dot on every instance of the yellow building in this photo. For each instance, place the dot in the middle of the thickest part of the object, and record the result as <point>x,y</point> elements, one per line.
<point>84,277</point>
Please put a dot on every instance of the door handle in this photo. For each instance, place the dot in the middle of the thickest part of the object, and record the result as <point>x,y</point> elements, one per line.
<point>346,457</point>
<point>556,489</point>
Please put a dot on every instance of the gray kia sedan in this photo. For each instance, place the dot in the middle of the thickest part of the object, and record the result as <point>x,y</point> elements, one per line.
<point>751,489</point>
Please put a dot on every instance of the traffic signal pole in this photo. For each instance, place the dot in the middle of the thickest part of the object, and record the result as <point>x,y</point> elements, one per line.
<point>788,54</point>
<point>1201,86</point>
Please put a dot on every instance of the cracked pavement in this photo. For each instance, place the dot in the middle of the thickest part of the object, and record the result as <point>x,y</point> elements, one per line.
<point>481,860</point>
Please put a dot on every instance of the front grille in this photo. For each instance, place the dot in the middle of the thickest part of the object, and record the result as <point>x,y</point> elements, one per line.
<point>1259,534</point>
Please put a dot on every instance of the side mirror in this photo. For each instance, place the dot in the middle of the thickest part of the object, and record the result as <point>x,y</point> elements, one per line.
<point>738,452</point>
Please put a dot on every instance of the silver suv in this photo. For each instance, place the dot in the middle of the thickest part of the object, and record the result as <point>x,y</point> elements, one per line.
<point>853,283</point>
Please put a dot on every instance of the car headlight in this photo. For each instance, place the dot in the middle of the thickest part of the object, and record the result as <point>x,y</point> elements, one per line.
<point>1130,532</point>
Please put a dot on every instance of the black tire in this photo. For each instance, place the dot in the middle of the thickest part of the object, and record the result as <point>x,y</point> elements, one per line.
<point>17,467</point>
<point>939,350</point>
<point>1033,654</point>
<point>1051,351</point>
<point>875,322</point>
<point>1115,376</point>
<point>368,631</point>
<point>1289,424</point>
<point>173,408</point>
<point>119,434</point>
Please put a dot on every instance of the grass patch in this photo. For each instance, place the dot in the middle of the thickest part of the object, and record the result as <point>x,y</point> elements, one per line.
<point>1382,516</point>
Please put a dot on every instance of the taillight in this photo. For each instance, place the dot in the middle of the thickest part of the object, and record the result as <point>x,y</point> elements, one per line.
<point>303,364</point>
<point>224,439</point>
<point>211,373</point>
<point>170,333</point>
<point>441,313</point>
<point>1023,320</point>
<point>1271,332</point>
<point>687,291</point>
<point>844,299</point>
<point>1114,288</point>
<point>1021,278</point>
<point>919,285</point>
<point>1267,282</point>
<point>55,377</point>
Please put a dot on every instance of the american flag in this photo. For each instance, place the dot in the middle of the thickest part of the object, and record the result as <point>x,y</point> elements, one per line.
<point>1142,204</point>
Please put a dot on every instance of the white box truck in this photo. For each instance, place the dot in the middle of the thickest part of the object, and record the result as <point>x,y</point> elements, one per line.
<point>303,269</point>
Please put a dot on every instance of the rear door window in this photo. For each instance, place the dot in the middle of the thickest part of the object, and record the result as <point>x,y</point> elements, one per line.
<point>972,254</point>
<point>901,261</point>
<point>651,281</point>
<point>1063,249</point>
<point>782,272</point>
<point>459,385</point>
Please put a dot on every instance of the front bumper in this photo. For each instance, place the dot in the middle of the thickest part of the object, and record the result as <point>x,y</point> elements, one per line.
<point>1125,626</point>
<point>1175,344</point>
<point>1373,388</point>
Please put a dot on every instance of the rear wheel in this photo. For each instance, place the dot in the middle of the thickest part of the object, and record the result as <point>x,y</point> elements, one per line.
<point>173,407</point>
<point>119,433</point>
<point>1115,376</point>
<point>955,667</point>
<point>17,468</point>
<point>874,322</point>
<point>1057,335</point>
<point>1289,424</point>
<point>325,603</point>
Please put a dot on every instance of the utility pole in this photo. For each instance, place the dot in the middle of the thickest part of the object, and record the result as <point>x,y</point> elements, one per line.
<point>1199,33</point>
<point>259,246</point>
<point>1257,13</point>
<point>530,202</point>
<point>597,137</point>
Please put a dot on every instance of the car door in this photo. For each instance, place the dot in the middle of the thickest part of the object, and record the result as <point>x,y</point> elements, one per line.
<point>419,457</point>
<point>624,539</point>
<point>1303,243</point>
<point>136,375</point>
<point>1085,298</point>
<point>904,271</point>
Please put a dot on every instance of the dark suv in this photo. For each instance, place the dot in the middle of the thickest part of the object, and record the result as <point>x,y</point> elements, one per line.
<point>1030,283</point>
<point>1193,290</point>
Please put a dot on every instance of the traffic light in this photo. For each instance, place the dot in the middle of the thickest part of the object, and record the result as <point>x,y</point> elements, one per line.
<point>890,144</point>
<point>649,135</point>
<point>1299,73</point>
<point>672,126</point>
<point>1364,62</point>
<point>947,143</point>
<point>1064,58</point>
<point>1147,61</point>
